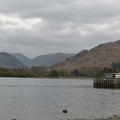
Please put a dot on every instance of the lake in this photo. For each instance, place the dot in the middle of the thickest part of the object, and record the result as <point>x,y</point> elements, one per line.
<point>44,99</point>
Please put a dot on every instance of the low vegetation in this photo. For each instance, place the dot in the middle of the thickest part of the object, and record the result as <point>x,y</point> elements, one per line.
<point>42,71</point>
<point>31,72</point>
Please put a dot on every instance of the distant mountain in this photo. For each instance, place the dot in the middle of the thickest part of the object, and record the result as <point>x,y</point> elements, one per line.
<point>9,61</point>
<point>101,56</point>
<point>25,60</point>
<point>50,59</point>
<point>43,60</point>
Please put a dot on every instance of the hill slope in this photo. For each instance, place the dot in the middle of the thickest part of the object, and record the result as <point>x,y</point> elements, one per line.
<point>25,60</point>
<point>9,61</point>
<point>50,59</point>
<point>101,56</point>
<point>42,60</point>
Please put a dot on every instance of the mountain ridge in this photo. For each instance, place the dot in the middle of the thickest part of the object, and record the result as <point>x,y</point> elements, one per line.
<point>25,60</point>
<point>43,60</point>
<point>9,61</point>
<point>100,56</point>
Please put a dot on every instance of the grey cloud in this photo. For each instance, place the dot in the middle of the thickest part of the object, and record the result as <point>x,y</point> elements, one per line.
<point>60,9</point>
<point>67,25</point>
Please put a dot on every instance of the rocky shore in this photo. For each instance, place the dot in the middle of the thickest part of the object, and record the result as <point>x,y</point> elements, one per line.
<point>114,117</point>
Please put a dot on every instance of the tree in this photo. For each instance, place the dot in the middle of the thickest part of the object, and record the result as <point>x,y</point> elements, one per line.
<point>54,73</point>
<point>76,72</point>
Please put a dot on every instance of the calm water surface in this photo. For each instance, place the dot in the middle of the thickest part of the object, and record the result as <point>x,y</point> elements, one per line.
<point>44,99</point>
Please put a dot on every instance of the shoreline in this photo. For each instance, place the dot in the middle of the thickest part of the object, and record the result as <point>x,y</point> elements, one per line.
<point>114,117</point>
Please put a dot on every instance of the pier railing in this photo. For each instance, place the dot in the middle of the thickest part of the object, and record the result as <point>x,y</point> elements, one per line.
<point>106,83</point>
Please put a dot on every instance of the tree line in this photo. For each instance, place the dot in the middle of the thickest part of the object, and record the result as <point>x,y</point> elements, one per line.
<point>42,71</point>
<point>34,71</point>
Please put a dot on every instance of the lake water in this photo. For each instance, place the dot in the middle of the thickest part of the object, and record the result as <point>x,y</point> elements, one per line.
<point>44,99</point>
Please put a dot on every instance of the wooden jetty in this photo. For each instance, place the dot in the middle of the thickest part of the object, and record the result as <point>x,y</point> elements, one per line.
<point>111,80</point>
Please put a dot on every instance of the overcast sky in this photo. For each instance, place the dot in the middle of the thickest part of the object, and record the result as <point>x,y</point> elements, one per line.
<point>37,27</point>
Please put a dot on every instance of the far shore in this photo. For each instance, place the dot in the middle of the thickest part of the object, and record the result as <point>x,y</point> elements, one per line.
<point>71,77</point>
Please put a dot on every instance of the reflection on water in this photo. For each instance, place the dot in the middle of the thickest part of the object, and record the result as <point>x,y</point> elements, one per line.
<point>44,99</point>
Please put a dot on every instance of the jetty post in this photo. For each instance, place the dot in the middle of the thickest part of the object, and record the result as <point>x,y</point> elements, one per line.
<point>111,80</point>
